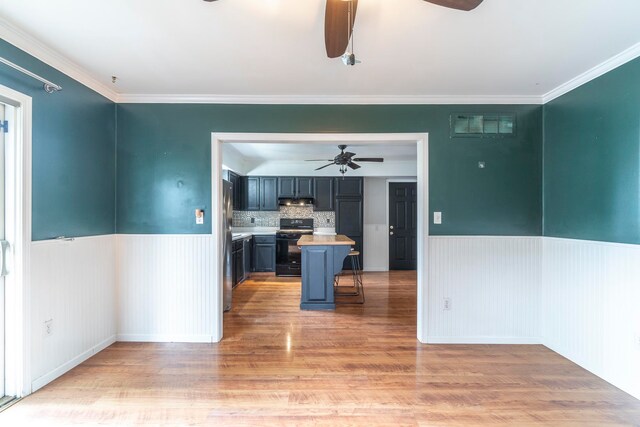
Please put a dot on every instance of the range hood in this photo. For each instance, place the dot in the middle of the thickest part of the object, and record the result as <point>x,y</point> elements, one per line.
<point>286,201</point>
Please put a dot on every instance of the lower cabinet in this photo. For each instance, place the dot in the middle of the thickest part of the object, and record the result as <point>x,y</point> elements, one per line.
<point>248,254</point>
<point>238,262</point>
<point>264,253</point>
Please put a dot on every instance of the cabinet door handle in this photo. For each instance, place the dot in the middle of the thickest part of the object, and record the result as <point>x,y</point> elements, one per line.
<point>391,233</point>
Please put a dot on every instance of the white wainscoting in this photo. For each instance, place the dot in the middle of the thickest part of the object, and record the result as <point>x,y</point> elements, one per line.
<point>591,302</point>
<point>166,289</point>
<point>72,284</point>
<point>493,284</point>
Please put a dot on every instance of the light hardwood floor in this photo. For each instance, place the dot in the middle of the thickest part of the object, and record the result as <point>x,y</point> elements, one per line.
<point>360,365</point>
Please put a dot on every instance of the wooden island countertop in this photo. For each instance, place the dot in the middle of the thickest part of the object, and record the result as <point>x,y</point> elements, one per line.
<point>315,240</point>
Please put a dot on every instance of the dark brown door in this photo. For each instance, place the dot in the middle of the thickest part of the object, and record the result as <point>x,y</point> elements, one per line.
<point>403,209</point>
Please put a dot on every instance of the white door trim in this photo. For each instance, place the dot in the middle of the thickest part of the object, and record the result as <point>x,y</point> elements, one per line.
<point>18,232</point>
<point>422,141</point>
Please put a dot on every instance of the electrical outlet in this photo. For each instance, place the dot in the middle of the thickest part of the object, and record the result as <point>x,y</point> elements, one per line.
<point>48,327</point>
<point>447,304</point>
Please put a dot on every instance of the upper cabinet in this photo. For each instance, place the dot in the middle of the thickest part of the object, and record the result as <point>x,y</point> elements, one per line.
<point>304,188</point>
<point>349,187</point>
<point>252,193</point>
<point>287,187</point>
<point>268,193</point>
<point>255,193</point>
<point>295,187</point>
<point>324,190</point>
<point>236,181</point>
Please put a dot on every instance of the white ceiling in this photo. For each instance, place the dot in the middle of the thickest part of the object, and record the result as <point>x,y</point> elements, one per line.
<point>301,152</point>
<point>276,47</point>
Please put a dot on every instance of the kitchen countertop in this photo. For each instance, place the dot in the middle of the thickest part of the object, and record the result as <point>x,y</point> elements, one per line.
<point>240,236</point>
<point>320,240</point>
<point>244,232</point>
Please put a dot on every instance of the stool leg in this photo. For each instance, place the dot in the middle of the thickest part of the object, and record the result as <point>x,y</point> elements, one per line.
<point>354,276</point>
<point>360,280</point>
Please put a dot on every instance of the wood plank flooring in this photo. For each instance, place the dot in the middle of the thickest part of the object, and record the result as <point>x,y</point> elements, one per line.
<point>360,365</point>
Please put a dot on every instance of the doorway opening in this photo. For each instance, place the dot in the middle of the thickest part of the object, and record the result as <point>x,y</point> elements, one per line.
<point>15,240</point>
<point>421,143</point>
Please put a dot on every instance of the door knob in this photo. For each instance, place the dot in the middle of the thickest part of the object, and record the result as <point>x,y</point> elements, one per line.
<point>391,227</point>
<point>391,233</point>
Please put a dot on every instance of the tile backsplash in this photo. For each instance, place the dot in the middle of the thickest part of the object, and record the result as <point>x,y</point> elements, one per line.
<point>272,219</point>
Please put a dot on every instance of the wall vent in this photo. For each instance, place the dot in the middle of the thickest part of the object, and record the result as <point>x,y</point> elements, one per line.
<point>478,125</point>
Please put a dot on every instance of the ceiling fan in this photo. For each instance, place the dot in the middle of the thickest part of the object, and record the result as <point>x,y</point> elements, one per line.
<point>346,160</point>
<point>340,16</point>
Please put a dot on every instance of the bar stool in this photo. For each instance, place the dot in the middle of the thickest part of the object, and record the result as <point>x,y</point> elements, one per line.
<point>357,289</point>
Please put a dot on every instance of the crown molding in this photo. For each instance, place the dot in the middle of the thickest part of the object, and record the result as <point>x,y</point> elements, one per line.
<point>38,50</point>
<point>604,67</point>
<point>324,99</point>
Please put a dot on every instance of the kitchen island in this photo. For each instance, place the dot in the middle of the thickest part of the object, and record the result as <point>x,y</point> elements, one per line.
<point>322,258</point>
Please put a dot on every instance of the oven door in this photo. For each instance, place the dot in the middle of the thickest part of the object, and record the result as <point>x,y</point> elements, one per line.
<point>288,255</point>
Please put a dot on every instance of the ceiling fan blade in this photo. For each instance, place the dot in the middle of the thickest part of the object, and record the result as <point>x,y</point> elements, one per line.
<point>369,159</point>
<point>337,28</point>
<point>457,4</point>
<point>353,165</point>
<point>325,166</point>
<point>319,160</point>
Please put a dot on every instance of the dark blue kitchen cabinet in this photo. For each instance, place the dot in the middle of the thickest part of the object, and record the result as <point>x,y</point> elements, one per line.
<point>349,205</point>
<point>264,253</point>
<point>295,187</point>
<point>237,257</point>
<point>349,187</point>
<point>247,247</point>
<point>324,194</point>
<point>304,188</point>
<point>251,194</point>
<point>287,187</point>
<point>238,196</point>
<point>268,193</point>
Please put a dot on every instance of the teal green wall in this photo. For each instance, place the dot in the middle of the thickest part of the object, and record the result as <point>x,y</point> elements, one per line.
<point>73,151</point>
<point>164,161</point>
<point>592,159</point>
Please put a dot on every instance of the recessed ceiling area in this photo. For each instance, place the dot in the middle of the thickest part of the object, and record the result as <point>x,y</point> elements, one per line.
<point>282,159</point>
<point>276,47</point>
<point>300,152</point>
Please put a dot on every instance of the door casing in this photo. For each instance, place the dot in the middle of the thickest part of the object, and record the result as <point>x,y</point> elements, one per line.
<point>18,233</point>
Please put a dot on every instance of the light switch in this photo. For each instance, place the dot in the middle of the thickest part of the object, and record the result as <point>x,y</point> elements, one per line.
<point>199,216</point>
<point>437,217</point>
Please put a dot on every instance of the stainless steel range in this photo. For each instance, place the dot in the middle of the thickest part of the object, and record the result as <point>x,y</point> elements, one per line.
<point>288,254</point>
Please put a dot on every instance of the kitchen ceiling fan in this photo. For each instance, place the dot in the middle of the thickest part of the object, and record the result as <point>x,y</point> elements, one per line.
<point>346,160</point>
<point>340,17</point>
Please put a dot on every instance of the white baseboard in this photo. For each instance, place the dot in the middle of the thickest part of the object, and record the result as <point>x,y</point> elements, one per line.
<point>482,340</point>
<point>66,367</point>
<point>165,338</point>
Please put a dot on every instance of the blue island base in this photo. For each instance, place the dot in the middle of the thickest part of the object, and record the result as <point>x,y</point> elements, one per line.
<point>320,264</point>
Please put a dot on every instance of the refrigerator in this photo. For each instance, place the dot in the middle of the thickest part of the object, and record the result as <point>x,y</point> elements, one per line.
<point>227,249</point>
